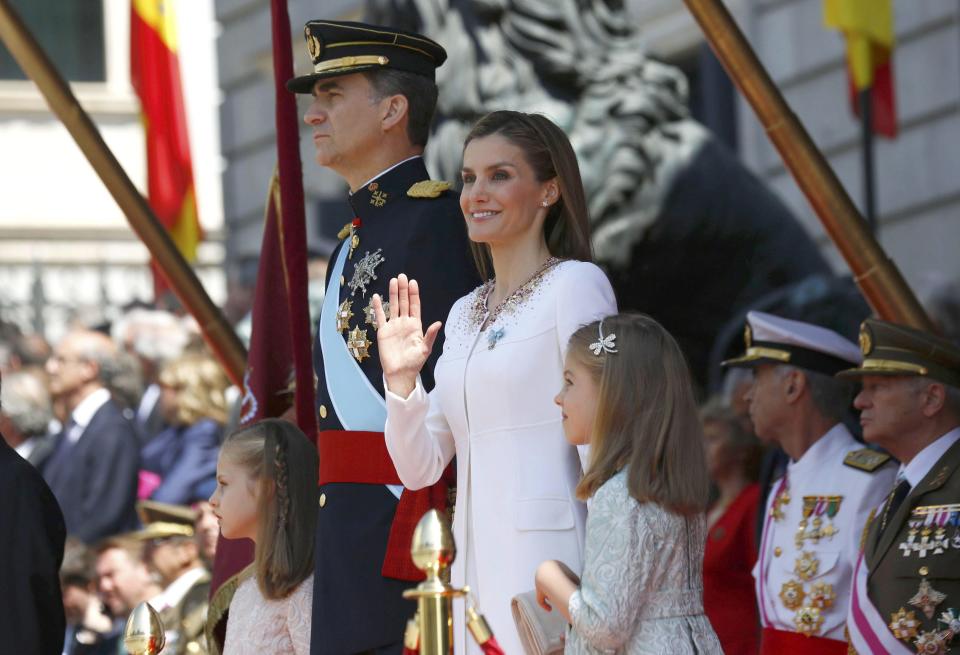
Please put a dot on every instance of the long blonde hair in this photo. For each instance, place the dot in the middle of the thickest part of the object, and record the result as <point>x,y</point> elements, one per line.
<point>201,387</point>
<point>647,419</point>
<point>283,464</point>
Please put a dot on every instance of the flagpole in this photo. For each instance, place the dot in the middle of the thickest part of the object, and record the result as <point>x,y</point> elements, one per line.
<point>866,126</point>
<point>216,331</point>
<point>879,280</point>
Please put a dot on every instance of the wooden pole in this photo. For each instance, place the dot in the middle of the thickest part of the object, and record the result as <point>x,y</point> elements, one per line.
<point>216,331</point>
<point>877,276</point>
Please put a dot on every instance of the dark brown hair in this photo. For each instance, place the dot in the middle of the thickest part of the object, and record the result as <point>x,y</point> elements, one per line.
<point>548,152</point>
<point>283,464</point>
<point>421,94</point>
<point>647,420</point>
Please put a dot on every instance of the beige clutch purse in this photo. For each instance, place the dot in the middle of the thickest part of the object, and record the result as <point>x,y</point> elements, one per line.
<point>541,632</point>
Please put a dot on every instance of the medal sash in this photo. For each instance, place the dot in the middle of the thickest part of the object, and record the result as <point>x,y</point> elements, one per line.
<point>358,405</point>
<point>866,627</point>
<point>762,562</point>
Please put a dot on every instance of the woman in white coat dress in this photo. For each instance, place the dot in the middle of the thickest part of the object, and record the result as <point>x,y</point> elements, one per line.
<point>501,366</point>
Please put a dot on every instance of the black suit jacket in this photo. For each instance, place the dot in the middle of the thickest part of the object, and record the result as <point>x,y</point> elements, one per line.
<point>355,608</point>
<point>96,481</point>
<point>31,550</point>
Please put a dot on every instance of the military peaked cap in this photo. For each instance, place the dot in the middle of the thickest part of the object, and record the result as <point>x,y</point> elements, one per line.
<point>162,520</point>
<point>891,349</point>
<point>774,340</point>
<point>342,48</point>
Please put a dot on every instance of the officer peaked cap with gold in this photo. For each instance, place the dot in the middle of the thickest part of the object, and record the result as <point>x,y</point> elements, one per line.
<point>162,520</point>
<point>342,48</point>
<point>891,349</point>
<point>770,339</point>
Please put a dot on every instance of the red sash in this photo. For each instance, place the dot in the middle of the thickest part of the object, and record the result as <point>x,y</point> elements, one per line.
<point>782,642</point>
<point>362,458</point>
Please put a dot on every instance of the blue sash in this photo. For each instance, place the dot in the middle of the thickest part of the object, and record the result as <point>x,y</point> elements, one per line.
<point>357,403</point>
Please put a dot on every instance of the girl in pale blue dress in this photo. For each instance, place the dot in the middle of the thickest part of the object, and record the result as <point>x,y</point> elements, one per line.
<point>626,392</point>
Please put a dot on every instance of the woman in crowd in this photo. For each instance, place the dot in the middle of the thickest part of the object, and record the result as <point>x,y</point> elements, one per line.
<point>267,491</point>
<point>626,392</point>
<point>502,358</point>
<point>179,464</point>
<point>733,460</point>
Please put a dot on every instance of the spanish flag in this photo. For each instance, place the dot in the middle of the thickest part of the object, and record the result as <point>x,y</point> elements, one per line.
<point>868,28</point>
<point>155,74</point>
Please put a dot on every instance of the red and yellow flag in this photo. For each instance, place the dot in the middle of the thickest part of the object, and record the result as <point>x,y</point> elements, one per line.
<point>867,26</point>
<point>155,74</point>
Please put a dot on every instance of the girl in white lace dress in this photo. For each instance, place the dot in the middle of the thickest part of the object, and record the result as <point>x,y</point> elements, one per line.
<point>626,391</point>
<point>266,491</point>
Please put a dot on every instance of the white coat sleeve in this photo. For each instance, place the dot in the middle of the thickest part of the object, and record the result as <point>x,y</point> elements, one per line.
<point>418,437</point>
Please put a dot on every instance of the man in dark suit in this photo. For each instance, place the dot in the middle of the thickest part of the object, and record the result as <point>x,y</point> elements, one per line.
<point>374,95</point>
<point>908,587</point>
<point>93,468</point>
<point>32,535</point>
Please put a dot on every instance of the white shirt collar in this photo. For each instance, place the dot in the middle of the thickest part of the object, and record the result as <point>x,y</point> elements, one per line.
<point>83,413</point>
<point>925,460</point>
<point>177,589</point>
<point>147,402</point>
<point>835,438</point>
<point>385,171</point>
<point>27,447</point>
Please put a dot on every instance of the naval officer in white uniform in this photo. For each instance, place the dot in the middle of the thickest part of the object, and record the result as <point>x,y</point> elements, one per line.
<point>817,511</point>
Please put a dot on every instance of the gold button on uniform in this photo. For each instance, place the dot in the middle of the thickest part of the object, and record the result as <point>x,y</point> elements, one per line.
<point>323,499</point>
<point>777,551</point>
<point>924,570</point>
<point>343,280</point>
<point>323,411</point>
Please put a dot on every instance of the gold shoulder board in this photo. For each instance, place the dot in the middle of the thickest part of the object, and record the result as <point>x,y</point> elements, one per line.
<point>866,459</point>
<point>428,189</point>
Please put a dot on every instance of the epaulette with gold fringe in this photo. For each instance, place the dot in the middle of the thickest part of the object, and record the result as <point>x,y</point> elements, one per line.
<point>428,189</point>
<point>866,459</point>
<point>344,231</point>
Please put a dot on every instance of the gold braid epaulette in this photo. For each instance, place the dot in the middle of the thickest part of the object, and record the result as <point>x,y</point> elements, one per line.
<point>428,189</point>
<point>220,603</point>
<point>866,527</point>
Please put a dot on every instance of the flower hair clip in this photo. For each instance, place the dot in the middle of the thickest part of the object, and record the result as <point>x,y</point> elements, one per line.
<point>605,344</point>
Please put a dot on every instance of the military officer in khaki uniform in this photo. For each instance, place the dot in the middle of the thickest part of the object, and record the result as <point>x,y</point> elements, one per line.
<point>907,597</point>
<point>817,510</point>
<point>173,553</point>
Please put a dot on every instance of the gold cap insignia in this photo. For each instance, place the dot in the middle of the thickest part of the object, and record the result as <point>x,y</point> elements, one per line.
<point>747,335</point>
<point>313,43</point>
<point>866,343</point>
<point>428,189</point>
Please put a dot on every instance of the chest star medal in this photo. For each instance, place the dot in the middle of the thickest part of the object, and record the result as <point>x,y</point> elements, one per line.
<point>344,314</point>
<point>371,317</point>
<point>358,344</point>
<point>927,598</point>
<point>365,271</point>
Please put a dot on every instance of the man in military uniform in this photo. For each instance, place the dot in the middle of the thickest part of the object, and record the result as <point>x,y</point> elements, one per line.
<point>173,553</point>
<point>908,581</point>
<point>374,95</point>
<point>816,513</point>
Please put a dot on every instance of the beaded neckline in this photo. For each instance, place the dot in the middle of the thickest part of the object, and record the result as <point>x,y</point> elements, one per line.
<point>479,314</point>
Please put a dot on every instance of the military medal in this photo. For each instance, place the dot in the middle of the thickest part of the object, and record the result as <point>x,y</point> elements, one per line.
<point>779,502</point>
<point>365,271</point>
<point>792,594</point>
<point>933,643</point>
<point>358,344</point>
<point>807,565</point>
<point>904,624</point>
<point>907,546</point>
<point>370,316</point>
<point>344,314</point>
<point>950,620</point>
<point>822,595</point>
<point>808,621</point>
<point>833,506</point>
<point>927,598</point>
<point>809,503</point>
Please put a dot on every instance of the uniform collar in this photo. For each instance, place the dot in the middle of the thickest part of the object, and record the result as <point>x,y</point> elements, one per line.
<point>375,197</point>
<point>836,440</point>
<point>926,459</point>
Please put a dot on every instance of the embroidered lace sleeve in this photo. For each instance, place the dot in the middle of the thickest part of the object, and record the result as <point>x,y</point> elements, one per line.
<point>299,614</point>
